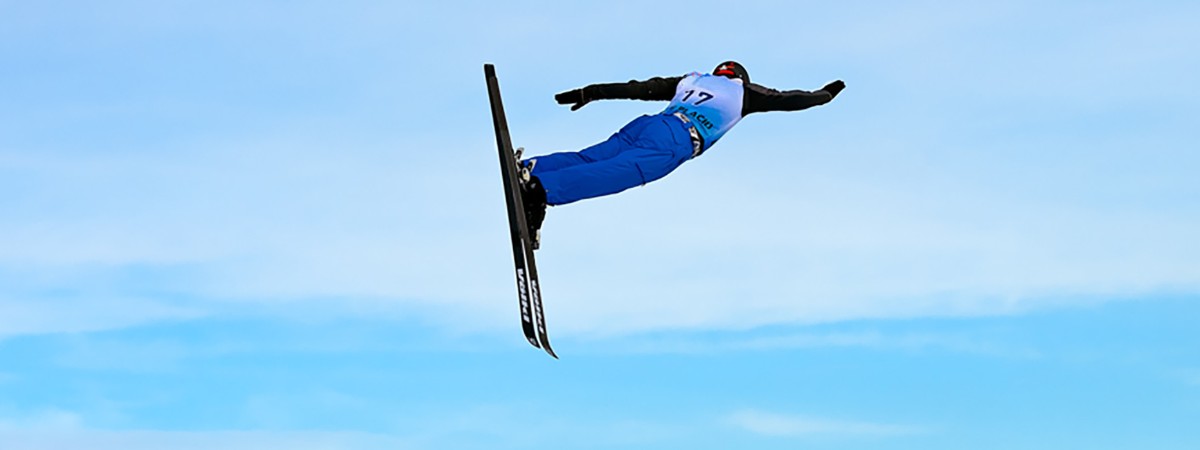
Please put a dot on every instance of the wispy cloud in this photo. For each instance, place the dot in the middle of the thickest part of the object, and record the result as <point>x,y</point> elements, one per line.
<point>198,440</point>
<point>506,426</point>
<point>749,341</point>
<point>774,424</point>
<point>21,316</point>
<point>483,426</point>
<point>46,420</point>
<point>54,429</point>
<point>883,214</point>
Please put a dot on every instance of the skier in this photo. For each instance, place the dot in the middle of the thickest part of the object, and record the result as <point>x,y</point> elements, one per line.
<point>703,108</point>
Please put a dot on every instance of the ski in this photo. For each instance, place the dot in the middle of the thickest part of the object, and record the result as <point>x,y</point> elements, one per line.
<point>529,294</point>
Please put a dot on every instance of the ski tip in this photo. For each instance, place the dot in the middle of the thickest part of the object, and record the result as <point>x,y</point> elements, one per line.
<point>489,70</point>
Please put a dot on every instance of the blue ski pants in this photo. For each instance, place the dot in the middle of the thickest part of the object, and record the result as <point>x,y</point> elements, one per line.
<point>646,149</point>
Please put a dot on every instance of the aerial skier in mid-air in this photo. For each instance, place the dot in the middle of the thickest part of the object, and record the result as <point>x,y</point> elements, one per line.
<point>703,108</point>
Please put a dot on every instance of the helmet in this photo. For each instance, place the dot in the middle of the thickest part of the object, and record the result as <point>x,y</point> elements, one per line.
<point>731,69</point>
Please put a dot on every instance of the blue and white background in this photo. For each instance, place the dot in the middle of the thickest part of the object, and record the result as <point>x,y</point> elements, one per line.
<point>278,224</point>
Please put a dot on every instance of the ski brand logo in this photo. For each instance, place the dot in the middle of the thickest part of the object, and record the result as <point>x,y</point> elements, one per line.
<point>523,290</point>
<point>536,296</point>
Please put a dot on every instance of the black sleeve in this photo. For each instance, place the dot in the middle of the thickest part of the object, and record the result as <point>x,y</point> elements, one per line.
<point>656,88</point>
<point>763,99</point>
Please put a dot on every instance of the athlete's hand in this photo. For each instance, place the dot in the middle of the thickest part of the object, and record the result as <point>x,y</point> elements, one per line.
<point>575,96</point>
<point>834,87</point>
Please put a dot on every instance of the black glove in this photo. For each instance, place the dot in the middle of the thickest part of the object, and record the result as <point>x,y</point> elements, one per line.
<point>834,87</point>
<point>576,96</point>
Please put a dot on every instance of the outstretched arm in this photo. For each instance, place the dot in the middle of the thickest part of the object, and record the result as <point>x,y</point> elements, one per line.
<point>763,99</point>
<point>657,88</point>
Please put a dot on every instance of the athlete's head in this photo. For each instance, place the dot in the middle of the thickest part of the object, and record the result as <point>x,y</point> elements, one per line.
<point>732,70</point>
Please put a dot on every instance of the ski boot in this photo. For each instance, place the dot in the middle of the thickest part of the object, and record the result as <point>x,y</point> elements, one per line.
<point>533,197</point>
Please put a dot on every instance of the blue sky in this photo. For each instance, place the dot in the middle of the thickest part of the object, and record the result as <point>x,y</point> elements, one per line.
<point>250,225</point>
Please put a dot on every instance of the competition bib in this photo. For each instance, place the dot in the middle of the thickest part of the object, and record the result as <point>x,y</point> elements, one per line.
<point>713,103</point>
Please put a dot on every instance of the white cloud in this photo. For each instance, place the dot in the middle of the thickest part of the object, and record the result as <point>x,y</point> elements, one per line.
<point>827,249</point>
<point>871,207</point>
<point>198,440</point>
<point>716,247</point>
<point>54,429</point>
<point>498,427</point>
<point>863,339</point>
<point>773,424</point>
<point>507,427</point>
<point>20,316</point>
